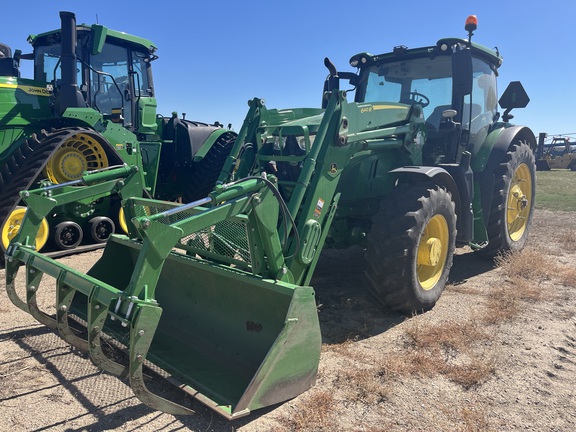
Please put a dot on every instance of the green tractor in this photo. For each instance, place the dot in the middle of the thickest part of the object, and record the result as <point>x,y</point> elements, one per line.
<point>217,292</point>
<point>91,105</point>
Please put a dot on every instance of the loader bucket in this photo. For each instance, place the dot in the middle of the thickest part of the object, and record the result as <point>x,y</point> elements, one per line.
<point>227,335</point>
<point>233,341</point>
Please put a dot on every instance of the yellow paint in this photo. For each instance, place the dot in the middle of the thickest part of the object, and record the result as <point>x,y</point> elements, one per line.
<point>39,91</point>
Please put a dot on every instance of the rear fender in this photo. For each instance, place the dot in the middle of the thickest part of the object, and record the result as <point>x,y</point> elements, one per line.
<point>489,156</point>
<point>490,153</point>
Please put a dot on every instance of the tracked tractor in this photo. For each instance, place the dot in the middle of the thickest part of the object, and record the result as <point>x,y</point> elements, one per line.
<point>91,105</point>
<point>411,162</point>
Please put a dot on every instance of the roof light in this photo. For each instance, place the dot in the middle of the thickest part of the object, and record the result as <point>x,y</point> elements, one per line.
<point>471,23</point>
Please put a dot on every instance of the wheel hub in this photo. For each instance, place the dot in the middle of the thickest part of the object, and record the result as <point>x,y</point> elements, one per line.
<point>12,226</point>
<point>79,153</point>
<point>518,205</point>
<point>521,200</point>
<point>430,252</point>
<point>73,164</point>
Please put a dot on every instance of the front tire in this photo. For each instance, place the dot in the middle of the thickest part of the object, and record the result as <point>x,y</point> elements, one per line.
<point>411,247</point>
<point>513,202</point>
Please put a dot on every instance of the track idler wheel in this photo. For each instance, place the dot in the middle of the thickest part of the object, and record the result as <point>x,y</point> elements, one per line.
<point>12,226</point>
<point>79,153</point>
<point>67,235</point>
<point>101,228</point>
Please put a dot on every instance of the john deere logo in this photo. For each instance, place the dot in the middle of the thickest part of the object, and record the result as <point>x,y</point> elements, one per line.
<point>333,168</point>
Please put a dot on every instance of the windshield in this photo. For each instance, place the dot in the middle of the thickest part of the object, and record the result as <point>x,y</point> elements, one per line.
<point>428,81</point>
<point>409,82</point>
<point>47,64</point>
<point>109,81</point>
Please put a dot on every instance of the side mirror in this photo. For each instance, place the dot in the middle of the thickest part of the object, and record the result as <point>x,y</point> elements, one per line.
<point>513,97</point>
<point>462,72</point>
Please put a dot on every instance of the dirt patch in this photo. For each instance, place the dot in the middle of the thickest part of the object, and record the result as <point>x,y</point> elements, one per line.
<point>498,352</point>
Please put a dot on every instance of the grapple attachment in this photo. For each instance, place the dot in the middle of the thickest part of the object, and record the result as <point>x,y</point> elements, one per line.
<point>196,291</point>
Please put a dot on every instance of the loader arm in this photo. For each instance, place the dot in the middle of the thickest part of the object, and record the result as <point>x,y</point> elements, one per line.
<point>328,141</point>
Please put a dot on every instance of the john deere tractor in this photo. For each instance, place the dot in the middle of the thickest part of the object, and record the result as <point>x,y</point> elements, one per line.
<point>411,162</point>
<point>91,105</point>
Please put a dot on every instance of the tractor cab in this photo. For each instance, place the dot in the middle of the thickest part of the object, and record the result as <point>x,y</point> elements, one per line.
<point>112,73</point>
<point>452,85</point>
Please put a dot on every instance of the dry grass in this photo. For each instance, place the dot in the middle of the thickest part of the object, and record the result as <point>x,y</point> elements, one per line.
<point>346,349</point>
<point>567,239</point>
<point>450,349</point>
<point>567,277</point>
<point>475,419</point>
<point>459,351</point>
<point>526,274</point>
<point>364,386</point>
<point>530,263</point>
<point>316,413</point>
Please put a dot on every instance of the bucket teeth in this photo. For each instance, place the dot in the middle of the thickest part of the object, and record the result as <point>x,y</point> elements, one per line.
<point>97,313</point>
<point>141,335</point>
<point>64,297</point>
<point>11,271</point>
<point>33,278</point>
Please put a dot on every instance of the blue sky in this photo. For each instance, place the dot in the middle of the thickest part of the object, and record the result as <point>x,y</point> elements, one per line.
<point>215,56</point>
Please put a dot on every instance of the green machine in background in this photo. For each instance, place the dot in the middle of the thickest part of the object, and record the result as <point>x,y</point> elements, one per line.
<point>91,105</point>
<point>216,292</point>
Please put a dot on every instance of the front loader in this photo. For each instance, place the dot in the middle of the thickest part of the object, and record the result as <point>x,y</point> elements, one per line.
<point>216,293</point>
<point>91,105</point>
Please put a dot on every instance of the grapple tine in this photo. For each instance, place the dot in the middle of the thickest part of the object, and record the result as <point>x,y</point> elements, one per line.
<point>33,278</point>
<point>12,266</point>
<point>97,313</point>
<point>141,335</point>
<point>64,297</point>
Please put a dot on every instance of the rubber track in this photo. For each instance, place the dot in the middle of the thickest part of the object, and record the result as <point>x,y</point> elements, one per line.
<point>206,172</point>
<point>25,165</point>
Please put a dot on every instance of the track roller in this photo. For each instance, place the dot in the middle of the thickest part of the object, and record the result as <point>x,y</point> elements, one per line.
<point>101,227</point>
<point>67,235</point>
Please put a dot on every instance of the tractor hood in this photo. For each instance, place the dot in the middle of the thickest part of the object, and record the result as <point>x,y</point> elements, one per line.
<point>362,116</point>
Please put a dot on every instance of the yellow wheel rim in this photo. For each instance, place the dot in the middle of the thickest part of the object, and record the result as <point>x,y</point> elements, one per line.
<point>519,206</point>
<point>432,252</point>
<point>12,226</point>
<point>122,220</point>
<point>78,154</point>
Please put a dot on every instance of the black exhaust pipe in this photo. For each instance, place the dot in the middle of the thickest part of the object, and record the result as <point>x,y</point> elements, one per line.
<point>68,95</point>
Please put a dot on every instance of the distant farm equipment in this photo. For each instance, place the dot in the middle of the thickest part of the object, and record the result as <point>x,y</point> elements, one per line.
<point>559,154</point>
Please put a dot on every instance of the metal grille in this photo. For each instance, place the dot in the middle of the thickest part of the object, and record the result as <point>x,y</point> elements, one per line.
<point>228,238</point>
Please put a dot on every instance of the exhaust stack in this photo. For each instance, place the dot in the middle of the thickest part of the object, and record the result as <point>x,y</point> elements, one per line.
<point>68,96</point>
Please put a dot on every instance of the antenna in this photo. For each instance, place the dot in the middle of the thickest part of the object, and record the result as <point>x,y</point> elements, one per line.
<point>97,19</point>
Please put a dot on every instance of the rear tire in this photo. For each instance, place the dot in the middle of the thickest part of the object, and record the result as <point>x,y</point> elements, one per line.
<point>513,202</point>
<point>411,247</point>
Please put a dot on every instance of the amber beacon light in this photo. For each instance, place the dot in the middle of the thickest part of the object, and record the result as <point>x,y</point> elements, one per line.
<point>471,23</point>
